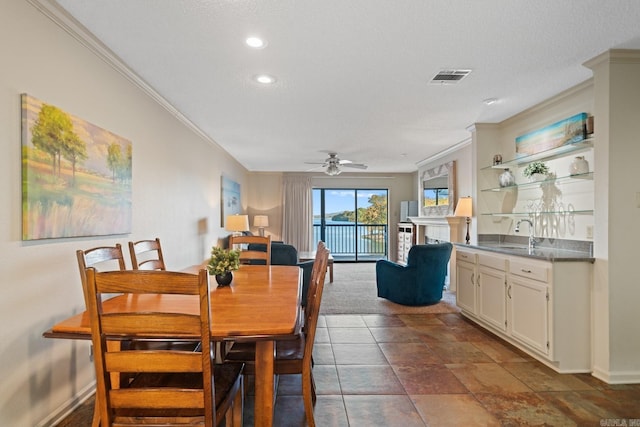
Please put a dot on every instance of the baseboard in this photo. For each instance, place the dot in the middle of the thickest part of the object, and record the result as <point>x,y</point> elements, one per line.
<point>69,406</point>
<point>624,377</point>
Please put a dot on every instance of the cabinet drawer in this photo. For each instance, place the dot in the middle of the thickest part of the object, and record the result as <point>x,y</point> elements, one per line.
<point>532,271</point>
<point>499,263</point>
<point>408,238</point>
<point>466,256</point>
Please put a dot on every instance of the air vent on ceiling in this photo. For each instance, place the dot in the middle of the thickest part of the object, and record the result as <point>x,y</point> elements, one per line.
<point>450,76</point>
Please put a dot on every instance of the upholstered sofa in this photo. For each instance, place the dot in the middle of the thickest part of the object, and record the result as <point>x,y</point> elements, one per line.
<point>421,281</point>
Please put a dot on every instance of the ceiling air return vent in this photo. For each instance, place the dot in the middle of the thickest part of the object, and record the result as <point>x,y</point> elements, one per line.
<point>449,77</point>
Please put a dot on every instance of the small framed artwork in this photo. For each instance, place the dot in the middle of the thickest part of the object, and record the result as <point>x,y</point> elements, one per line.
<point>230,195</point>
<point>567,131</point>
<point>76,176</point>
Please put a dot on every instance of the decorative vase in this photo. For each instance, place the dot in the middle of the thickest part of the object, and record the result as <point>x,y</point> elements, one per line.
<point>537,177</point>
<point>507,179</point>
<point>579,166</point>
<point>224,279</point>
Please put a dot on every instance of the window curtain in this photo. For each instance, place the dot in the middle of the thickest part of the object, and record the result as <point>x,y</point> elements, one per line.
<point>297,212</point>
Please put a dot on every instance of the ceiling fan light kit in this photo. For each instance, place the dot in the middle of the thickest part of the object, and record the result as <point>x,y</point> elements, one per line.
<point>333,164</point>
<point>332,170</point>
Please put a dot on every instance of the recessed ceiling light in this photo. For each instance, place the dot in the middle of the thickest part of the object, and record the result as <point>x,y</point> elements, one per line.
<point>255,42</point>
<point>265,79</point>
<point>490,101</point>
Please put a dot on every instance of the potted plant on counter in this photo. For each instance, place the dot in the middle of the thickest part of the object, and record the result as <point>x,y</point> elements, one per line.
<point>536,171</point>
<point>222,264</point>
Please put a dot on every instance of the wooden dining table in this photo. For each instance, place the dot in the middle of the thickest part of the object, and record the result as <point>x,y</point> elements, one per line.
<point>262,304</point>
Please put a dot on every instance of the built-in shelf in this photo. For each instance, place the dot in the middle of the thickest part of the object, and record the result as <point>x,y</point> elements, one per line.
<point>548,181</point>
<point>546,155</point>
<point>527,214</point>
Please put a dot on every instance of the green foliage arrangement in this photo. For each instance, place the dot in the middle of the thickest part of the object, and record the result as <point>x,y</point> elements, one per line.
<point>536,167</point>
<point>223,261</point>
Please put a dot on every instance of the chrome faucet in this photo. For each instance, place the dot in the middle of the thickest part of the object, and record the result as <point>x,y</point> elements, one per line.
<point>532,239</point>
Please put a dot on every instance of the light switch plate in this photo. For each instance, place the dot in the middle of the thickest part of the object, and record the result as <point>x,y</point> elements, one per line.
<point>589,231</point>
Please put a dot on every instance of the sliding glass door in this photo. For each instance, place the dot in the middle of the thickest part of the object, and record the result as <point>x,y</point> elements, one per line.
<point>352,222</point>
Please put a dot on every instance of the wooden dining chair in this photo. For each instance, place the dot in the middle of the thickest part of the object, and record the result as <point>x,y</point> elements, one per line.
<point>295,356</point>
<point>146,255</point>
<point>248,256</point>
<point>106,257</point>
<point>168,387</point>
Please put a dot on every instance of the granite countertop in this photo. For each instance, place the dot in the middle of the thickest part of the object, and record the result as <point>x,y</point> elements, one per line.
<point>559,252</point>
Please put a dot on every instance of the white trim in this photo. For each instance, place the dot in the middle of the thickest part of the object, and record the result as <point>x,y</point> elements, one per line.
<point>69,406</point>
<point>621,377</point>
<point>444,152</point>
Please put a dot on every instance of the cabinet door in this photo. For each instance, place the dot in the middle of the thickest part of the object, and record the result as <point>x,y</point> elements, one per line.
<point>492,301</point>
<point>529,313</point>
<point>466,291</point>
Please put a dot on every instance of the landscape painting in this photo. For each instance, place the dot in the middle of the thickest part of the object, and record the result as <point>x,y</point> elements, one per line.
<point>230,195</point>
<point>76,176</point>
<point>567,131</point>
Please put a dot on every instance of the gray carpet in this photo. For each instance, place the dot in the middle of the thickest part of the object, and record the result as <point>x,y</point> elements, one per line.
<point>354,291</point>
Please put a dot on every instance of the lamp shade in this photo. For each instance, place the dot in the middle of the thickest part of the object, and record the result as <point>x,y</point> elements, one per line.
<point>237,223</point>
<point>464,207</point>
<point>261,221</point>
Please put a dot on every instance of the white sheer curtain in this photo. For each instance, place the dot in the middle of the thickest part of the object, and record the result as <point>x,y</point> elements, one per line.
<point>297,211</point>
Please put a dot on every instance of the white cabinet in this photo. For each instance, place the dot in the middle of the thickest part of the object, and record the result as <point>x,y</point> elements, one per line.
<point>541,307</point>
<point>466,276</point>
<point>492,285</point>
<point>528,313</point>
<point>406,239</point>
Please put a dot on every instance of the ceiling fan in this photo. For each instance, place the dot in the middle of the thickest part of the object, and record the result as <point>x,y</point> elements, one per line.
<point>333,164</point>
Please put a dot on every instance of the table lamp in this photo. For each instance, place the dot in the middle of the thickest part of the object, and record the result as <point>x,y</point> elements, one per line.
<point>237,224</point>
<point>261,221</point>
<point>464,208</point>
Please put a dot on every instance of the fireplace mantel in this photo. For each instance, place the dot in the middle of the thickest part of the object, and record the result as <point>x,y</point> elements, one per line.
<point>446,229</point>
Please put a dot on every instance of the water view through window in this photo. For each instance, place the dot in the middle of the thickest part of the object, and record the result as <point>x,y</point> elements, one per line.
<point>352,222</point>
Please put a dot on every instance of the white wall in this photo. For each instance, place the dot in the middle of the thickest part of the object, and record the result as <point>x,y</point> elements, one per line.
<point>176,183</point>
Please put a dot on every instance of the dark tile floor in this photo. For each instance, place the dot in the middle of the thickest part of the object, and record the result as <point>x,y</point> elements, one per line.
<point>435,370</point>
<point>440,370</point>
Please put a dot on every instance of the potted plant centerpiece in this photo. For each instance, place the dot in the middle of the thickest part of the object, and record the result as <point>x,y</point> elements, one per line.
<point>536,171</point>
<point>222,263</point>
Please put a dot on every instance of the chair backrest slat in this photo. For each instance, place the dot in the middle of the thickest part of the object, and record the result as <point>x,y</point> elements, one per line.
<point>102,256</point>
<point>146,255</point>
<point>246,255</point>
<point>314,297</point>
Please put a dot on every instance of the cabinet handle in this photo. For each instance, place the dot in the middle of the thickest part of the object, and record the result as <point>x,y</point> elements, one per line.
<point>473,282</point>
<point>463,256</point>
<point>525,271</point>
<point>509,291</point>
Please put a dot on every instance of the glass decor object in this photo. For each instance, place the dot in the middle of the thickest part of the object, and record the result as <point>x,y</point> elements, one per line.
<point>579,166</point>
<point>507,179</point>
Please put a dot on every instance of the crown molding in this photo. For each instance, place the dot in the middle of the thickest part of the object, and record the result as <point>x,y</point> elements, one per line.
<point>445,152</point>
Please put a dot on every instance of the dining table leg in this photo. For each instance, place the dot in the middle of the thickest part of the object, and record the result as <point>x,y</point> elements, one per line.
<point>265,355</point>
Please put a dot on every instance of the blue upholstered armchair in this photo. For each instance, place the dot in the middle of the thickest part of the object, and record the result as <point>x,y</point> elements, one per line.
<point>421,281</point>
<point>283,254</point>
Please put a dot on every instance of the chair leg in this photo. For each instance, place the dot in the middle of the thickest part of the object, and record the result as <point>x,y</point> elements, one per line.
<point>308,394</point>
<point>238,406</point>
<point>313,388</point>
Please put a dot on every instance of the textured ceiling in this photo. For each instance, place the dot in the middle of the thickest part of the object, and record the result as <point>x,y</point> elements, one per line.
<point>353,75</point>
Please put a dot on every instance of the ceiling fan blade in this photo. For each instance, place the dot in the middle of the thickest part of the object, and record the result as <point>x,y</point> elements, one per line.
<point>355,165</point>
<point>316,163</point>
